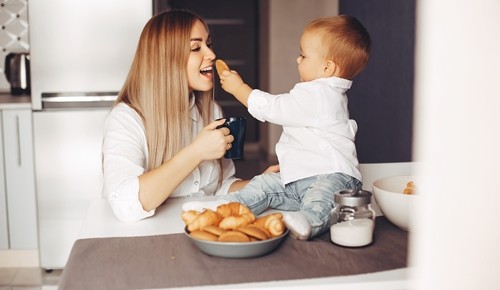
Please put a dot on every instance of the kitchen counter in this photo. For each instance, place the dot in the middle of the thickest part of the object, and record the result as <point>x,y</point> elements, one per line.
<point>8,101</point>
<point>102,233</point>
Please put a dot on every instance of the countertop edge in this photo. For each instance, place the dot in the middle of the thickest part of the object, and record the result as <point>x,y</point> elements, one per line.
<point>8,101</point>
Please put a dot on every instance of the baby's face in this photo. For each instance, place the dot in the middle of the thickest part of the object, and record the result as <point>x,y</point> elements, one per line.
<point>311,63</point>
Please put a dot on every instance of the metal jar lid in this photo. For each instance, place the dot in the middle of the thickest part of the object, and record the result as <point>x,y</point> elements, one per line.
<point>352,197</point>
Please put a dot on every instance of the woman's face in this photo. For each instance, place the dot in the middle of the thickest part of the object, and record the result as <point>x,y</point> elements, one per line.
<point>201,59</point>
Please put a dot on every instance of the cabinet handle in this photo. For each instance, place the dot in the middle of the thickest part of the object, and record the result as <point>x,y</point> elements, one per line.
<point>18,131</point>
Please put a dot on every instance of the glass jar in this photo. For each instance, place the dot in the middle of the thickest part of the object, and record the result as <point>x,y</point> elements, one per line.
<point>352,219</point>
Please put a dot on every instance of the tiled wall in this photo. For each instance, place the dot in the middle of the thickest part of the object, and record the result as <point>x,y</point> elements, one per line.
<point>13,33</point>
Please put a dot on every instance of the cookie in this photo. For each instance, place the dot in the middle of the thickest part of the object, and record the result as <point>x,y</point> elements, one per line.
<point>215,230</point>
<point>221,66</point>
<point>234,236</point>
<point>201,235</point>
<point>254,231</point>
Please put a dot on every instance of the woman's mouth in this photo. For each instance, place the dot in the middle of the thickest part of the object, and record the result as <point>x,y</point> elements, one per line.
<point>207,71</point>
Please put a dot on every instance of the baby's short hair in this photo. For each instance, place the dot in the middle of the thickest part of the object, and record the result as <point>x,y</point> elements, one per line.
<point>346,40</point>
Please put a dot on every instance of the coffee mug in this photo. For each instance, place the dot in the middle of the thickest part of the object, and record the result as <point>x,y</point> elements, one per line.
<point>237,128</point>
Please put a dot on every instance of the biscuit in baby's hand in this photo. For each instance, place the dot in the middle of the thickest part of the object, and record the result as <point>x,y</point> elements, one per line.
<point>221,66</point>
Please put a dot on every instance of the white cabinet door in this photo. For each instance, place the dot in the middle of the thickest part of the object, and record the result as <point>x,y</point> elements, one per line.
<point>4,227</point>
<point>20,178</point>
<point>68,176</point>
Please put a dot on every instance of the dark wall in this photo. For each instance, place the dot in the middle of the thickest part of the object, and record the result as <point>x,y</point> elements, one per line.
<point>381,98</point>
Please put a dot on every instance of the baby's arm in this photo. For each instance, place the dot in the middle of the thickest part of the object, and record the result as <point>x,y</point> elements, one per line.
<point>232,83</point>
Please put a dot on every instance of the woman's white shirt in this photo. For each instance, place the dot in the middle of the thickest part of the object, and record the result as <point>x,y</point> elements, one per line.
<point>125,158</point>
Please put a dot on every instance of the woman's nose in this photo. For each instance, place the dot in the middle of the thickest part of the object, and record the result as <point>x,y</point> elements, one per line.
<point>210,54</point>
<point>298,59</point>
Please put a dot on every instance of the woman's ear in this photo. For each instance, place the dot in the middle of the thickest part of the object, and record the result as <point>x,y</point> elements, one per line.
<point>331,69</point>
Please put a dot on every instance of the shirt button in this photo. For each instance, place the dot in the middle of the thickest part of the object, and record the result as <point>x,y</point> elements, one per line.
<point>196,183</point>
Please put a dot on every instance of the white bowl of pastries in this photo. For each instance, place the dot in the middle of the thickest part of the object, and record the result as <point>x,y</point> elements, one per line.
<point>395,196</point>
<point>233,231</point>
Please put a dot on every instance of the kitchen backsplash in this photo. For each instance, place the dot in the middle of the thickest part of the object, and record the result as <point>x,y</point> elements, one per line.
<point>14,33</point>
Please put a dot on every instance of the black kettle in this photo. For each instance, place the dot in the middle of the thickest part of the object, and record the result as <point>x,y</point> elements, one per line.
<point>17,72</point>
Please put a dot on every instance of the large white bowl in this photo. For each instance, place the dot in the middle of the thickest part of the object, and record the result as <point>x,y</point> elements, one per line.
<point>396,206</point>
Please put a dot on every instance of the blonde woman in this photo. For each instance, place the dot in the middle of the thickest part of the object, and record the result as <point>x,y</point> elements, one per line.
<point>160,140</point>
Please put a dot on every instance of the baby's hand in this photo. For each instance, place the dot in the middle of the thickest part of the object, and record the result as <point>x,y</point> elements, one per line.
<point>230,81</point>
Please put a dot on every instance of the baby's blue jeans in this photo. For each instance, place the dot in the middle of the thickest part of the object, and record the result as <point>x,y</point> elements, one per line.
<point>312,196</point>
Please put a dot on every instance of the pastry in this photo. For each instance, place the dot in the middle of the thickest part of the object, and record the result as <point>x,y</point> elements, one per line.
<point>234,236</point>
<point>221,66</point>
<point>189,216</point>
<point>233,222</point>
<point>273,223</point>
<point>202,235</point>
<point>232,208</point>
<point>215,230</point>
<point>410,188</point>
<point>255,232</point>
<point>207,218</point>
<point>235,215</point>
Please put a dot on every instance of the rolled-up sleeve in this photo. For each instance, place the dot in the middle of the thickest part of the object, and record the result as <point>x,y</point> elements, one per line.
<point>124,160</point>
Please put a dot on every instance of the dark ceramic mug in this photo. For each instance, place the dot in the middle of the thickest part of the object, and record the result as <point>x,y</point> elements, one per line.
<point>237,128</point>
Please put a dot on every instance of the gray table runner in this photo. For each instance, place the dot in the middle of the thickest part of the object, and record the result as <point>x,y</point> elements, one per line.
<point>173,261</point>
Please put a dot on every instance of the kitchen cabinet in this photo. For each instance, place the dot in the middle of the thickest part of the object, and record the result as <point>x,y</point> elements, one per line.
<point>18,218</point>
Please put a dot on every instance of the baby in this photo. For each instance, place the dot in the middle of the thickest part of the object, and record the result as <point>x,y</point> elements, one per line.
<point>316,150</point>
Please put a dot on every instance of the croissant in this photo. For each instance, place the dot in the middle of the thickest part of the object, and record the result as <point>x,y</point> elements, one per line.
<point>206,218</point>
<point>233,222</point>
<point>273,223</point>
<point>189,216</point>
<point>232,209</point>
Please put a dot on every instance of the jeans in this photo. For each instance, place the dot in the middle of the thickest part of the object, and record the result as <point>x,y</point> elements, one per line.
<point>312,196</point>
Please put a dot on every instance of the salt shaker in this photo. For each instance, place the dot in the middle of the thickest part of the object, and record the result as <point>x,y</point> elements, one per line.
<point>352,221</point>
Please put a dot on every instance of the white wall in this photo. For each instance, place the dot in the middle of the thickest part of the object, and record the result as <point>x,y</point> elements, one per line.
<point>288,20</point>
<point>456,244</point>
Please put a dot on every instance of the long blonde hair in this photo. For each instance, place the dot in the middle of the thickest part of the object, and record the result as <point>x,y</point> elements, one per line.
<point>157,85</point>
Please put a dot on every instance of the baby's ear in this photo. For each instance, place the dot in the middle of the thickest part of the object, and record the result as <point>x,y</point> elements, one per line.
<point>331,69</point>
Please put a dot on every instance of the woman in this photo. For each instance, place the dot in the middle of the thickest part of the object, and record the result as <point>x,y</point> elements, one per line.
<point>159,140</point>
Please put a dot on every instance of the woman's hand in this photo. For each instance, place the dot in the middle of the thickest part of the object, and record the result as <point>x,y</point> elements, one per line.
<point>212,143</point>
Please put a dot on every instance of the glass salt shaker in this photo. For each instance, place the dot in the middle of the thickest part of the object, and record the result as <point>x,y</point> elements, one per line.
<point>352,221</point>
